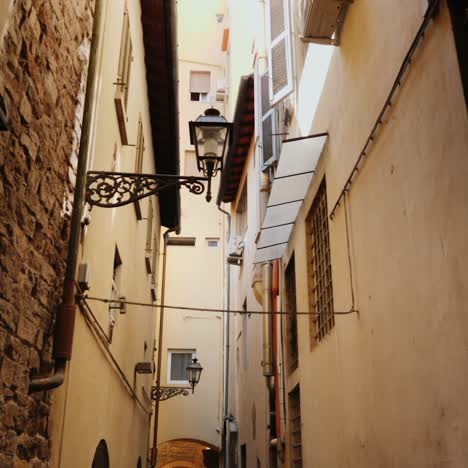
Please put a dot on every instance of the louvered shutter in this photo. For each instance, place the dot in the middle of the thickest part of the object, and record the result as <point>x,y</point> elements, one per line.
<point>280,57</point>
<point>269,141</point>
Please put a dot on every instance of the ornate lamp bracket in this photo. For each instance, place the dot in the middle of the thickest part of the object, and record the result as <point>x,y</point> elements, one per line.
<point>113,189</point>
<point>167,392</point>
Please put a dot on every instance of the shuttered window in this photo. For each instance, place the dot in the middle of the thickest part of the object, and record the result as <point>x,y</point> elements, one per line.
<point>125,59</point>
<point>280,57</point>
<point>269,125</point>
<point>140,148</point>
<point>199,85</point>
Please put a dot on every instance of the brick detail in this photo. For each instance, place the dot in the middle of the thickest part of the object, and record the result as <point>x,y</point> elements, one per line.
<point>43,63</point>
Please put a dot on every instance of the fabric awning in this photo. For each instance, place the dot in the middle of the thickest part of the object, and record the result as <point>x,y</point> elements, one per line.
<point>292,180</point>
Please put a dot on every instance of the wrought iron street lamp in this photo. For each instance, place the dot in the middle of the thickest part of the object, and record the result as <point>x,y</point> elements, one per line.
<point>194,371</point>
<point>210,133</point>
<point>193,376</point>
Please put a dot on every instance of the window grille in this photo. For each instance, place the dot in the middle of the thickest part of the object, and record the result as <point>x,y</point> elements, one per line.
<point>320,275</point>
<point>295,428</point>
<point>291,320</point>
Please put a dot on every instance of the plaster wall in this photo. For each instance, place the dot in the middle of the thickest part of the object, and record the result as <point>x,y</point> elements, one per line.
<point>386,383</point>
<point>93,386</point>
<point>196,274</point>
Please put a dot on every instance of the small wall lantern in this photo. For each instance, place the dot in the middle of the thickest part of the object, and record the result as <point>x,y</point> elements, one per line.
<point>194,371</point>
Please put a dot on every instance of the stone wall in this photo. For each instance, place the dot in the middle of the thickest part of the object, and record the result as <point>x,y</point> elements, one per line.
<point>43,61</point>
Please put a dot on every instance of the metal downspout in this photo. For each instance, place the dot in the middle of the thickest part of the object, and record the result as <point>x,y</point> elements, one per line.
<point>154,452</point>
<point>227,331</point>
<point>267,362</point>
<point>65,321</point>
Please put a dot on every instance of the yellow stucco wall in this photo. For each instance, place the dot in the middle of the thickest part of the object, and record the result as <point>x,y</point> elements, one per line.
<point>195,275</point>
<point>383,389</point>
<point>94,403</point>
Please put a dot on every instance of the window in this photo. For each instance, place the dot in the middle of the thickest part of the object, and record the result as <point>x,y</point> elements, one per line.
<point>140,148</point>
<point>139,156</point>
<point>190,165</point>
<point>115,307</point>
<point>123,77</point>
<point>291,320</point>
<point>178,360</point>
<point>319,267</point>
<point>186,241</point>
<point>280,56</point>
<point>243,456</point>
<point>101,456</point>
<point>245,323</point>
<point>295,435</point>
<point>212,241</point>
<point>269,128</point>
<point>199,86</point>
<point>241,215</point>
<point>149,237</point>
<point>154,266</point>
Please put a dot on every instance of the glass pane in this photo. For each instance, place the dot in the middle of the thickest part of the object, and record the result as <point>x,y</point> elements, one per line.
<point>179,363</point>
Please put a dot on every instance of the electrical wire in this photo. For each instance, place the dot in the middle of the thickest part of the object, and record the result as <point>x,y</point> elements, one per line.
<point>206,309</point>
<point>93,323</point>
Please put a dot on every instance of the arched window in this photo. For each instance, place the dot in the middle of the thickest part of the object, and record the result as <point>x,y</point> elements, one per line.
<point>101,456</point>
<point>139,462</point>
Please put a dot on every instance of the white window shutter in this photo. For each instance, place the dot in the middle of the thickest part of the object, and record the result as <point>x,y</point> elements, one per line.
<point>269,124</point>
<point>279,53</point>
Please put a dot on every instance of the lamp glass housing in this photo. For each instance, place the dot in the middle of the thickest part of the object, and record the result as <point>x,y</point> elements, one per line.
<point>211,134</point>
<point>194,371</point>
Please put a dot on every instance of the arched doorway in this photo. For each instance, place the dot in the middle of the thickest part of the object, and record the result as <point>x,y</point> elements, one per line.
<point>101,456</point>
<point>187,453</point>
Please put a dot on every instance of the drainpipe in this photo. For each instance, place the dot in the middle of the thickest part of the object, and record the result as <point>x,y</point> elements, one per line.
<point>227,332</point>
<point>267,362</point>
<point>275,292</point>
<point>154,452</point>
<point>65,321</point>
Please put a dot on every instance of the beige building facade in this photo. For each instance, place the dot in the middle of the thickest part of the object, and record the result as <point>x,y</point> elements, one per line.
<point>368,353</point>
<point>101,414</point>
<point>195,271</point>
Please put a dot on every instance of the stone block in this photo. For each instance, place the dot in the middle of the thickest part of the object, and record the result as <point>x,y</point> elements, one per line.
<point>27,330</point>
<point>25,110</point>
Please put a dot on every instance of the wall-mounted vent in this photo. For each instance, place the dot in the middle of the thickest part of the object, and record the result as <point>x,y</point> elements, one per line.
<point>84,277</point>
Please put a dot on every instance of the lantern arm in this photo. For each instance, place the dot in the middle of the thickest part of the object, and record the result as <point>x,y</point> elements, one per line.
<point>114,189</point>
<point>167,392</point>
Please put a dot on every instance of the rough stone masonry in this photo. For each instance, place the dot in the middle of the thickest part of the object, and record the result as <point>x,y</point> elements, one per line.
<point>42,71</point>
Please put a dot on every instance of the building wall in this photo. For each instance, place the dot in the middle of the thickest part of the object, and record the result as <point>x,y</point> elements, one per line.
<point>195,275</point>
<point>43,65</point>
<point>95,403</point>
<point>385,382</point>
<point>382,388</point>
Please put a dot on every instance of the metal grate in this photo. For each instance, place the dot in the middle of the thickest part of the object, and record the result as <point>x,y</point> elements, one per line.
<point>320,276</point>
<point>295,428</point>
<point>291,321</point>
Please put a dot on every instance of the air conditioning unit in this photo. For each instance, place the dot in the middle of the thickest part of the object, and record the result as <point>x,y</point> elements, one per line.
<point>322,20</point>
<point>220,90</point>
